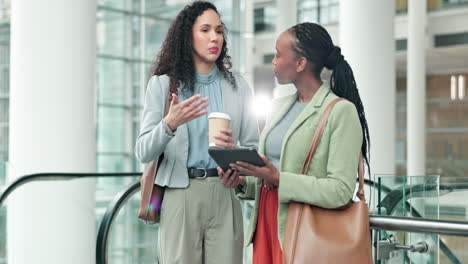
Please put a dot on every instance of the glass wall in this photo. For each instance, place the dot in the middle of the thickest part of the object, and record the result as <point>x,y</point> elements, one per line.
<point>318,11</point>
<point>264,18</point>
<point>446,125</point>
<point>4,77</point>
<point>4,111</point>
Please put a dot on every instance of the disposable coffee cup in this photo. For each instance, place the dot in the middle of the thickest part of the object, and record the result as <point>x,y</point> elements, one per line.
<point>217,121</point>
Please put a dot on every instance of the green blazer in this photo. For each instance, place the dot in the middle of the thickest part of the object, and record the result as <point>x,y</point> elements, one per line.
<point>331,178</point>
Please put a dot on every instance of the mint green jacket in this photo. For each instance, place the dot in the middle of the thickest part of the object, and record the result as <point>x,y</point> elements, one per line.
<point>331,177</point>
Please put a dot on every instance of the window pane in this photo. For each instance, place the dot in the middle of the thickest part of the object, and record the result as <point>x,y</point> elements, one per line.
<point>226,9</point>
<point>155,34</point>
<point>112,33</point>
<point>3,170</point>
<point>113,130</point>
<point>334,14</point>
<point>447,114</point>
<point>136,37</point>
<point>4,80</point>
<point>3,143</point>
<point>4,103</point>
<point>307,4</point>
<point>118,4</point>
<point>324,15</point>
<point>163,9</point>
<point>112,81</point>
<point>113,163</point>
<point>308,16</point>
<point>265,19</point>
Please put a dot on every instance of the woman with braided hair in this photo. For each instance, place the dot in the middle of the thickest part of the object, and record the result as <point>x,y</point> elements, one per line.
<point>200,218</point>
<point>301,54</point>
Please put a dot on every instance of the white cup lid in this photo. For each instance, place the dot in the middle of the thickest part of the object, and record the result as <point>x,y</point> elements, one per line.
<point>219,115</point>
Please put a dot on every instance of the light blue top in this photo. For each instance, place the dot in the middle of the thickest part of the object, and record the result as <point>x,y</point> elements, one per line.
<point>274,140</point>
<point>208,85</point>
<point>153,140</point>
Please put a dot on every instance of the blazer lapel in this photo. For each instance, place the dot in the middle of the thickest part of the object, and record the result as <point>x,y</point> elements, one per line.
<point>310,109</point>
<point>284,106</point>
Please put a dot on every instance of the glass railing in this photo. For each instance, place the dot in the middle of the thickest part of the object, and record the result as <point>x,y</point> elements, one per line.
<point>424,197</point>
<point>436,205</point>
<point>127,240</point>
<point>420,193</point>
<point>123,239</point>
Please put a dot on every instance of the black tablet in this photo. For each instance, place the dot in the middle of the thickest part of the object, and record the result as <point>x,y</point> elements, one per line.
<point>224,157</point>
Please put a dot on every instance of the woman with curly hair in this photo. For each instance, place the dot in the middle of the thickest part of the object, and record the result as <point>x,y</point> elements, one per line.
<point>200,219</point>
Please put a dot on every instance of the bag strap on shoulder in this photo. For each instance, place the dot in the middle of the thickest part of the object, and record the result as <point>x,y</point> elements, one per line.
<point>316,140</point>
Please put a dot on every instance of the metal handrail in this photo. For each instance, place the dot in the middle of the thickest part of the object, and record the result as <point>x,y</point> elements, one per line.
<point>454,228</point>
<point>394,198</point>
<point>56,177</point>
<point>114,207</point>
<point>376,222</point>
<point>419,225</point>
<point>112,210</point>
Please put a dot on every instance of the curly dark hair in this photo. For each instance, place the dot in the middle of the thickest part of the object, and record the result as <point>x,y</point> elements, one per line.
<point>176,56</point>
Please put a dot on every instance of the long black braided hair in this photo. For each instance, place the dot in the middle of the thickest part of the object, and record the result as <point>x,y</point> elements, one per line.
<point>176,56</point>
<point>315,44</point>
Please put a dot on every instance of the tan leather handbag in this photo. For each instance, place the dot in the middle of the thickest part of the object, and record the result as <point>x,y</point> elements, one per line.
<point>151,194</point>
<point>319,235</point>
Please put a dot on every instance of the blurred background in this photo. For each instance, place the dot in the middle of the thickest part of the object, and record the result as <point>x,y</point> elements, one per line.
<point>129,34</point>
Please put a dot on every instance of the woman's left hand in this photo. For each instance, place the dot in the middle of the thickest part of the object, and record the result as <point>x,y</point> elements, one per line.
<point>225,139</point>
<point>268,173</point>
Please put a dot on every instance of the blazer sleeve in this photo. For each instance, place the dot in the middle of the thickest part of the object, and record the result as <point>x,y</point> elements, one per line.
<point>248,135</point>
<point>153,138</point>
<point>337,187</point>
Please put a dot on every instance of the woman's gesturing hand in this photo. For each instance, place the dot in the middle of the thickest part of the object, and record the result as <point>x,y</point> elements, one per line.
<point>185,111</point>
<point>268,173</point>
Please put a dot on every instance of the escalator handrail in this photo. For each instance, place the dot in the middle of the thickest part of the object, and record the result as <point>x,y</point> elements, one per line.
<point>114,207</point>
<point>120,199</point>
<point>112,210</point>
<point>11,187</point>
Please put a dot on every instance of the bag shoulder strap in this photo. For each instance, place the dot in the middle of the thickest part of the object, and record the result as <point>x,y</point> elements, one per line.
<point>152,167</point>
<point>316,140</point>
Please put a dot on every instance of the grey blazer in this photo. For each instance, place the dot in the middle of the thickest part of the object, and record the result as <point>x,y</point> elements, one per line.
<point>153,139</point>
